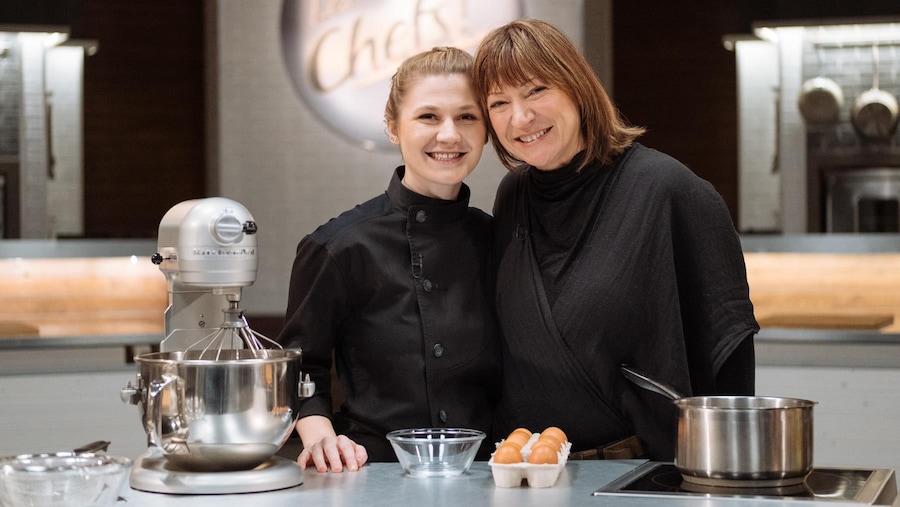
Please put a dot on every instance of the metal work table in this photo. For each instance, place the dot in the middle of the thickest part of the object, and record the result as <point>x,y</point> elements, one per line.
<point>383,484</point>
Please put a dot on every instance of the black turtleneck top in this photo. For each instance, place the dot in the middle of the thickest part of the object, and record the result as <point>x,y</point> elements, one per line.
<point>559,201</point>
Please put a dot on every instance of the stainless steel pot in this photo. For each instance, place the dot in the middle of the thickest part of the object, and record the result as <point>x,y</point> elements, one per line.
<point>218,410</point>
<point>821,100</point>
<point>875,114</point>
<point>739,440</point>
<point>875,111</point>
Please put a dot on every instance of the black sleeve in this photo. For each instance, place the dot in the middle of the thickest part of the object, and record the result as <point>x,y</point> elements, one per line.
<point>315,309</point>
<point>737,376</point>
<point>716,309</point>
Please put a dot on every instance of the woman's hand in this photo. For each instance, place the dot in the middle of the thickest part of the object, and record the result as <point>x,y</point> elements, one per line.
<point>336,451</point>
<point>322,447</point>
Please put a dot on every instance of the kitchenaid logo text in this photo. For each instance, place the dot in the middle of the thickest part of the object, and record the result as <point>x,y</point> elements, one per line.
<point>223,252</point>
<point>340,54</point>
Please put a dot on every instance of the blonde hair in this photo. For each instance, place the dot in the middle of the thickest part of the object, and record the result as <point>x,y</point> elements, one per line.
<point>527,49</point>
<point>438,61</point>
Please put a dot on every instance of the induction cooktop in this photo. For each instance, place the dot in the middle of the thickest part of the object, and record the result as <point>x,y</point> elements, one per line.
<point>874,486</point>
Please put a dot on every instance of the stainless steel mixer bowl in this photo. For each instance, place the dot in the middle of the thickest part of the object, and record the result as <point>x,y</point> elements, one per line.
<point>217,410</point>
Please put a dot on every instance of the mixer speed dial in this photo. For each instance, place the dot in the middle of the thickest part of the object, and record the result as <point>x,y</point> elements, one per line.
<point>226,228</point>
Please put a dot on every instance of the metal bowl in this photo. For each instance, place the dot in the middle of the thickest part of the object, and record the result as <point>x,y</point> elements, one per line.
<point>66,479</point>
<point>231,412</point>
<point>435,452</point>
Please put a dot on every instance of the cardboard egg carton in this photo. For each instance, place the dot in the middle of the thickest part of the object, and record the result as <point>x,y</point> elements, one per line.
<point>511,475</point>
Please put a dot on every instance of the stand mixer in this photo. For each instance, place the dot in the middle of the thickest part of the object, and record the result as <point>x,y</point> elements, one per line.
<point>219,399</point>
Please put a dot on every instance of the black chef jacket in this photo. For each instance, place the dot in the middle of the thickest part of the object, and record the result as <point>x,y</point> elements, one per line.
<point>397,290</point>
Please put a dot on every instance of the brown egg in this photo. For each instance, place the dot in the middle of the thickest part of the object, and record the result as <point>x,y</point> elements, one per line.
<point>556,432</point>
<point>519,437</point>
<point>550,439</point>
<point>515,443</point>
<point>508,454</point>
<point>543,453</point>
<point>522,431</point>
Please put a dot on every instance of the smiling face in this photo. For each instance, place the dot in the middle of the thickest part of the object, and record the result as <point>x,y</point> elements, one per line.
<point>537,123</point>
<point>441,134</point>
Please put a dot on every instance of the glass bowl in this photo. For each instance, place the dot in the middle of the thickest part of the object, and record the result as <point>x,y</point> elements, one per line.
<point>435,452</point>
<point>66,479</point>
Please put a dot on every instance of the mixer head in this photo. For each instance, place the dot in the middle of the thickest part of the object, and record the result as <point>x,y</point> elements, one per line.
<point>208,243</point>
<point>207,252</point>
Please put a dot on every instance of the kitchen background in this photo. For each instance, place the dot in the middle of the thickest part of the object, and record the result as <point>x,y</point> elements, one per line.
<point>793,166</point>
<point>156,103</point>
<point>149,104</point>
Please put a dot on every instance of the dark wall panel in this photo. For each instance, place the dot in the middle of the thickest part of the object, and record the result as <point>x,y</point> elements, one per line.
<point>674,77</point>
<point>39,12</point>
<point>143,113</point>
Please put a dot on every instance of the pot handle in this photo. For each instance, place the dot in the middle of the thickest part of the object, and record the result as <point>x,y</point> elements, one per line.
<point>169,430</point>
<point>93,447</point>
<point>642,380</point>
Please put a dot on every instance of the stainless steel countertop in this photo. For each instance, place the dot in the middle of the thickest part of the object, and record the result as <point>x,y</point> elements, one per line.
<point>778,347</point>
<point>809,243</point>
<point>383,484</point>
<point>62,248</point>
<point>827,347</point>
<point>30,342</point>
<point>821,243</point>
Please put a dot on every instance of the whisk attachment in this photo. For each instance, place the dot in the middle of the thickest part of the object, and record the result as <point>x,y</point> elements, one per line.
<point>233,333</point>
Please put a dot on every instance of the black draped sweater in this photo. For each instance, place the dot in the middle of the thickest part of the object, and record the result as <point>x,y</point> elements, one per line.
<point>633,262</point>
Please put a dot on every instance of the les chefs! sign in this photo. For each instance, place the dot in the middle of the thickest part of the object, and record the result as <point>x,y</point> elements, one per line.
<point>340,54</point>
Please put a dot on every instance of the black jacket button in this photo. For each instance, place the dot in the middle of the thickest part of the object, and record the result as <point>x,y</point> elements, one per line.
<point>437,350</point>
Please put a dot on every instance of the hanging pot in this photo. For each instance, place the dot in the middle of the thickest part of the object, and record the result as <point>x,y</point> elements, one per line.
<point>821,99</point>
<point>875,111</point>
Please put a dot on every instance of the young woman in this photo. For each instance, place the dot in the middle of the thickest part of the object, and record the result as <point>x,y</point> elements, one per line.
<point>608,253</point>
<point>396,289</point>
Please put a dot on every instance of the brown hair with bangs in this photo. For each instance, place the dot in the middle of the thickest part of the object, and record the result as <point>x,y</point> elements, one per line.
<point>527,49</point>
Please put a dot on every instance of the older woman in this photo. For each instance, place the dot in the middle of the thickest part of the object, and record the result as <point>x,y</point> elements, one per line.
<point>609,252</point>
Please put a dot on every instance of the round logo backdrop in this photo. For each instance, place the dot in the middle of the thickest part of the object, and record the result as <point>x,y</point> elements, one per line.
<point>340,54</point>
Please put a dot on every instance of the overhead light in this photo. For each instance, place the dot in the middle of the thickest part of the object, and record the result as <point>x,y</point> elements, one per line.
<point>54,39</point>
<point>766,33</point>
<point>53,35</point>
<point>90,46</point>
<point>846,32</point>
<point>731,41</point>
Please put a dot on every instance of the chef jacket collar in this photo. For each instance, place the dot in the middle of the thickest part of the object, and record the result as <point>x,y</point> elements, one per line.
<point>436,210</point>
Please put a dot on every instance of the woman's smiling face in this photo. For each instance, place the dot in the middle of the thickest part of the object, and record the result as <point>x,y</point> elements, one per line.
<point>441,134</point>
<point>537,123</point>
